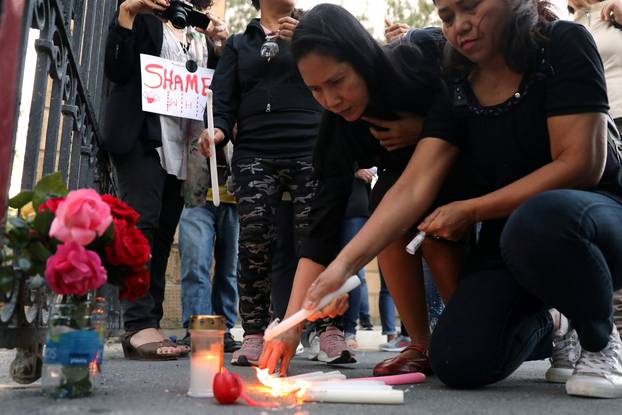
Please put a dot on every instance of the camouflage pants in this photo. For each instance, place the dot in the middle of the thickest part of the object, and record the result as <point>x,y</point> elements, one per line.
<point>259,187</point>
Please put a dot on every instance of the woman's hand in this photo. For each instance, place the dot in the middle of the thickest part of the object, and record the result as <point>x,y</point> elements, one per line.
<point>329,280</point>
<point>400,133</point>
<point>335,308</point>
<point>286,27</point>
<point>129,9</point>
<point>217,31</point>
<point>365,175</point>
<point>451,221</point>
<point>281,348</point>
<point>204,141</point>
<point>612,12</point>
<point>394,31</point>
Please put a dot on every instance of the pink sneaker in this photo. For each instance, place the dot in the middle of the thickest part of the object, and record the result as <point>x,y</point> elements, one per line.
<point>333,348</point>
<point>249,353</point>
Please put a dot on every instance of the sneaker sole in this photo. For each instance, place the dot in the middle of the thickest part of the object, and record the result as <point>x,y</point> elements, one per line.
<point>345,357</point>
<point>244,361</point>
<point>558,375</point>
<point>392,349</point>
<point>592,387</point>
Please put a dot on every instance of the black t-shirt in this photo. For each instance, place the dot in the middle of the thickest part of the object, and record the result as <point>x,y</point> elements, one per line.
<point>509,141</point>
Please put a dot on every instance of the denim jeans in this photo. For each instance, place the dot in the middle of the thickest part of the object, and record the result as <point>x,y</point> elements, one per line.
<point>433,300</point>
<point>561,249</point>
<point>386,308</point>
<point>208,232</point>
<point>349,228</point>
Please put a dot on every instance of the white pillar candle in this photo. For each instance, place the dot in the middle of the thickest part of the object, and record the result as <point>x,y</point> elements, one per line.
<point>213,167</point>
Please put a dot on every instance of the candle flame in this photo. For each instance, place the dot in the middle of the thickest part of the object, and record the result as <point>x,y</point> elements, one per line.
<point>281,387</point>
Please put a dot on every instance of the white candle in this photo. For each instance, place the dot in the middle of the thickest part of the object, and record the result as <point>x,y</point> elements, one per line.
<point>212,148</point>
<point>203,367</point>
<point>366,396</point>
<point>412,247</point>
<point>301,315</point>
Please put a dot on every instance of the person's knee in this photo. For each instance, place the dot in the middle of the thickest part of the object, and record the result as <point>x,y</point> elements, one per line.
<point>459,365</point>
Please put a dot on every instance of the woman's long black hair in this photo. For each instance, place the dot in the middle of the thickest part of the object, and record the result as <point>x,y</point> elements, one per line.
<point>402,78</point>
<point>398,78</point>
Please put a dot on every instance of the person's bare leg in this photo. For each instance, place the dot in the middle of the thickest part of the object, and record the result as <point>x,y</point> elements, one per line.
<point>446,260</point>
<point>404,278</point>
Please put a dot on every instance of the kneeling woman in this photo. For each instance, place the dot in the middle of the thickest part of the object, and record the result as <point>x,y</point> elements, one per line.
<point>375,100</point>
<point>529,106</point>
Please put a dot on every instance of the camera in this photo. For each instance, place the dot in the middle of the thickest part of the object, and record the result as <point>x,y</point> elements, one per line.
<point>182,14</point>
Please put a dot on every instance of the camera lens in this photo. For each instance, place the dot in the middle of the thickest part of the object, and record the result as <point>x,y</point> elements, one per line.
<point>179,18</point>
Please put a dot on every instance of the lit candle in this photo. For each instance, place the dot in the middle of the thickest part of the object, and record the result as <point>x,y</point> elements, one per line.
<point>207,334</point>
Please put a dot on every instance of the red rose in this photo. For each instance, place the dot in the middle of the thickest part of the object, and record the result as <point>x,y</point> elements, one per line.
<point>121,210</point>
<point>51,204</point>
<point>135,285</point>
<point>129,247</point>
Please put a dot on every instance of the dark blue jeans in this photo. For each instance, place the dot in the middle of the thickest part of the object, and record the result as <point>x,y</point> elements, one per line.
<point>205,233</point>
<point>562,250</point>
<point>349,228</point>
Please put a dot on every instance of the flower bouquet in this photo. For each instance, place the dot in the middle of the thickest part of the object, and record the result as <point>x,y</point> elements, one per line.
<point>73,242</point>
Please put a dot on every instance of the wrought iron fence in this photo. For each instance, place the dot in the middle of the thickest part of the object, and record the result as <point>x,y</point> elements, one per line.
<point>59,52</point>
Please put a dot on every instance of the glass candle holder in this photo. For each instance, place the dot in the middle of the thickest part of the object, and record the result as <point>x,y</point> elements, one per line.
<point>206,355</point>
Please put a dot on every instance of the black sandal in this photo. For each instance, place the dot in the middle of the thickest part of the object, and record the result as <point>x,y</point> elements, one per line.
<point>147,351</point>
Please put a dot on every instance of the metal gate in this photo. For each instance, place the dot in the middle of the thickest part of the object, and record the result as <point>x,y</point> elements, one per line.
<point>52,87</point>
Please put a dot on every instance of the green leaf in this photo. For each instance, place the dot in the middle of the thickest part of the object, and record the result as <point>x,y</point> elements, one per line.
<point>49,186</point>
<point>21,199</point>
<point>39,252</point>
<point>6,282</point>
<point>42,222</point>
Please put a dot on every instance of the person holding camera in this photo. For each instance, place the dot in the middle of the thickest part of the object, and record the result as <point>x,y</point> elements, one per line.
<point>149,151</point>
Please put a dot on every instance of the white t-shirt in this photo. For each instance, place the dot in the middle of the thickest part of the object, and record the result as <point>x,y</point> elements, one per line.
<point>609,43</point>
<point>178,132</point>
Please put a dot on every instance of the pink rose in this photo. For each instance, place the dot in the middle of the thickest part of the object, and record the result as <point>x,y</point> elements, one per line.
<point>81,217</point>
<point>74,270</point>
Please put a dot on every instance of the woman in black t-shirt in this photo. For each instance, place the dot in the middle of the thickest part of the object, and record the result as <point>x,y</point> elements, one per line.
<point>364,125</point>
<point>528,105</point>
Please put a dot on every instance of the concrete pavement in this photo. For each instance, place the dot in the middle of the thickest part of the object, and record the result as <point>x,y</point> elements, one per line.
<point>154,388</point>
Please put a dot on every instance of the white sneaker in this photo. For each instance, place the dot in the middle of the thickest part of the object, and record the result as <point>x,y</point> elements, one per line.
<point>599,374</point>
<point>351,342</point>
<point>617,310</point>
<point>300,349</point>
<point>566,352</point>
<point>398,344</point>
<point>314,346</point>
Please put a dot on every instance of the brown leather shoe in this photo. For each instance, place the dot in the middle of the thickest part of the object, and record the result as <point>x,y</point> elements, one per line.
<point>410,360</point>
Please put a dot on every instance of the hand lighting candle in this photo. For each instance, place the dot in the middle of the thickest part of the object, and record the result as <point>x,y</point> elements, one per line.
<point>206,358</point>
